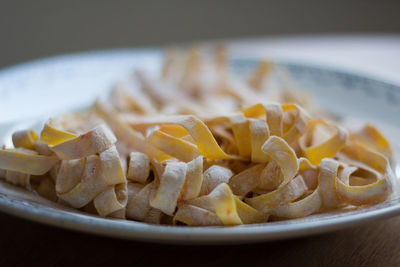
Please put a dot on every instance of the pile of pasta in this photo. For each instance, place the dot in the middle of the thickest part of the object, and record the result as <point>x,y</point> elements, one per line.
<point>197,145</point>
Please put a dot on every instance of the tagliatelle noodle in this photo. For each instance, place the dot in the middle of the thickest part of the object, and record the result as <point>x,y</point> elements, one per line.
<point>91,184</point>
<point>326,149</point>
<point>370,193</point>
<point>327,182</point>
<point>173,146</point>
<point>369,136</point>
<point>282,195</point>
<point>168,191</point>
<point>309,172</point>
<point>131,100</point>
<point>245,181</point>
<point>247,214</point>
<point>139,167</point>
<point>43,148</point>
<point>131,138</point>
<point>28,163</point>
<point>194,179</point>
<point>222,202</point>
<point>270,177</point>
<point>18,178</point>
<point>259,134</point>
<point>111,200</point>
<point>277,148</point>
<point>273,113</point>
<point>111,166</point>
<point>25,139</point>
<point>195,216</point>
<point>258,77</point>
<point>197,129</point>
<point>299,125</point>
<point>53,136</point>
<point>214,176</point>
<point>301,208</point>
<point>139,205</point>
<point>69,174</point>
<point>241,132</point>
<point>92,142</point>
<point>46,189</point>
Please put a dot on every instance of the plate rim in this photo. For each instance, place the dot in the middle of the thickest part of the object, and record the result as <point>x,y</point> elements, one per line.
<point>132,230</point>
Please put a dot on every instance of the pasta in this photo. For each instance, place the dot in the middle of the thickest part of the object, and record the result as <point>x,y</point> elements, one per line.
<point>199,146</point>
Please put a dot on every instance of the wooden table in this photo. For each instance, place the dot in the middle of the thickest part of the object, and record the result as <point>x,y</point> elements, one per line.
<point>23,242</point>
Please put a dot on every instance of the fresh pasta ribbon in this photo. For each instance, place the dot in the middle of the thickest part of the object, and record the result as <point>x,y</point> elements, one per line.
<point>25,139</point>
<point>112,200</point>
<point>176,147</point>
<point>92,183</point>
<point>196,128</point>
<point>370,137</point>
<point>95,141</point>
<point>194,179</point>
<point>327,182</point>
<point>168,191</point>
<point>130,138</point>
<point>325,149</point>
<point>25,162</point>
<point>376,191</point>
<point>53,136</point>
<point>139,167</point>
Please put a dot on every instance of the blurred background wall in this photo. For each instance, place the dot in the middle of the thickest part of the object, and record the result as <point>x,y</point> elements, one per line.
<point>35,28</point>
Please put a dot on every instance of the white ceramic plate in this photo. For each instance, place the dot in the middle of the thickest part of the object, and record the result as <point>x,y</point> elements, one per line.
<point>32,91</point>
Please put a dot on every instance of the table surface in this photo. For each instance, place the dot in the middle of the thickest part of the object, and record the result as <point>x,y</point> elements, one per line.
<point>375,244</point>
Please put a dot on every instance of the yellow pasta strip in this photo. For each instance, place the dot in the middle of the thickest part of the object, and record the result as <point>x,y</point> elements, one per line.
<point>25,139</point>
<point>194,179</point>
<point>273,112</point>
<point>69,174</point>
<point>53,136</point>
<point>178,148</point>
<point>91,185</point>
<point>139,205</point>
<point>112,199</point>
<point>371,193</point>
<point>283,195</point>
<point>196,128</point>
<point>195,216</point>
<point>224,205</point>
<point>112,167</point>
<point>139,167</point>
<point>241,132</point>
<point>277,148</point>
<point>299,125</point>
<point>327,149</point>
<point>170,187</point>
<point>371,137</point>
<point>15,160</point>
<point>245,181</point>
<point>248,214</point>
<point>270,177</point>
<point>327,182</point>
<point>95,141</point>
<point>259,133</point>
<point>131,138</point>
<point>301,208</point>
<point>214,176</point>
